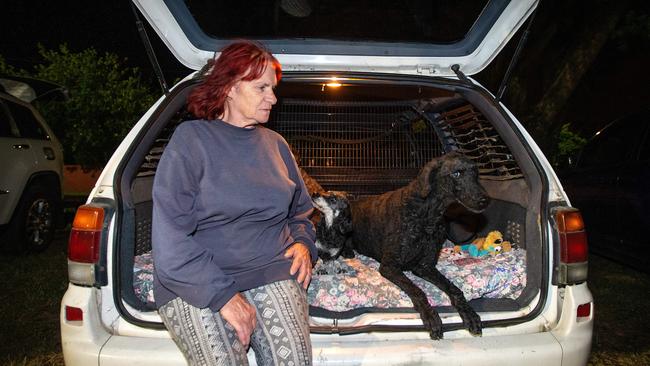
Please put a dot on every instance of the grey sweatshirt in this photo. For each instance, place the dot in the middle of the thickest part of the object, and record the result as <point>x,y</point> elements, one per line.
<point>227,203</point>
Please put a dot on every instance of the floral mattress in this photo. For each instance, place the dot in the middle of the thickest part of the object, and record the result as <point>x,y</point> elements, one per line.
<point>349,284</point>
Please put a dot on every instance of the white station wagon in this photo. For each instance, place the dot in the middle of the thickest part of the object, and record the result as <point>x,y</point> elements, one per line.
<point>369,94</point>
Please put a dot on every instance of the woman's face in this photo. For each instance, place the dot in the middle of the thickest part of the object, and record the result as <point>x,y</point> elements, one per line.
<point>250,102</point>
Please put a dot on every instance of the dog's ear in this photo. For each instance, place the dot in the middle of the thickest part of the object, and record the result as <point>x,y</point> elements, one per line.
<point>426,177</point>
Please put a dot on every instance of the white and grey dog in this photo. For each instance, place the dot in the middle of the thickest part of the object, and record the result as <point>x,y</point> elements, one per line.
<point>335,225</point>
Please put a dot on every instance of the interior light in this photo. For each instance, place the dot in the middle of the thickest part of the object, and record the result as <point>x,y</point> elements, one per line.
<point>333,83</point>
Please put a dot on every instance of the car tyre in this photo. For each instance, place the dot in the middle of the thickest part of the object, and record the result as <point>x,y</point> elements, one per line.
<point>33,226</point>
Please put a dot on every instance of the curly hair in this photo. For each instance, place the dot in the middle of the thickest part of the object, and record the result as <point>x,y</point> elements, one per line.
<point>241,60</point>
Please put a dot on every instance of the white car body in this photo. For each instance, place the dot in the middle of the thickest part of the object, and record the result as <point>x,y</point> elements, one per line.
<point>32,172</point>
<point>554,330</point>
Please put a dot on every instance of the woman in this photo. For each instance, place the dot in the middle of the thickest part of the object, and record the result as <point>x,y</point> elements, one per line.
<point>232,243</point>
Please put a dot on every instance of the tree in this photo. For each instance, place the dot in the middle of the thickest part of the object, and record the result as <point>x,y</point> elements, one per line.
<point>566,40</point>
<point>7,69</point>
<point>105,100</point>
<point>542,119</point>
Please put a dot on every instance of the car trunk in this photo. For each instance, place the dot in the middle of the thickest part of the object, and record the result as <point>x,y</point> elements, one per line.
<point>365,135</point>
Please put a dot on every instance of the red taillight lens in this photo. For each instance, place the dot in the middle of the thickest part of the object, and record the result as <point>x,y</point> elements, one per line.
<point>85,236</point>
<point>572,264</point>
<point>573,238</point>
<point>73,314</point>
<point>584,310</point>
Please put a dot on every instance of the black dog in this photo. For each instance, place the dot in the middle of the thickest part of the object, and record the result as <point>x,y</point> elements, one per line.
<point>335,225</point>
<point>404,230</point>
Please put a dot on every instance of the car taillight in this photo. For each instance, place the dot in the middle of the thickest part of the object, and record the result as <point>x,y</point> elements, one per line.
<point>84,244</point>
<point>86,234</point>
<point>73,314</point>
<point>573,238</point>
<point>583,311</point>
<point>573,250</point>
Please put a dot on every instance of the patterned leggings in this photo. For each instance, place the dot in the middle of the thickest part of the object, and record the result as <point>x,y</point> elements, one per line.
<point>281,336</point>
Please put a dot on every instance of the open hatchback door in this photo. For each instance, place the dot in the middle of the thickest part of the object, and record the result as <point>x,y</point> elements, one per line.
<point>409,37</point>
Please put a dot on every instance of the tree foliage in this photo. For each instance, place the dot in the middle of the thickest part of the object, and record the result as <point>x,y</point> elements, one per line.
<point>566,41</point>
<point>568,144</point>
<point>105,100</point>
<point>7,69</point>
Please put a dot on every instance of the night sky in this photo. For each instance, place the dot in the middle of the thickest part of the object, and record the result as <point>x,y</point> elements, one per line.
<point>109,26</point>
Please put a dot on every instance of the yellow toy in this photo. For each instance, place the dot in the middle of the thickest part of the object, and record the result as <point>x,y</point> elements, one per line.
<point>492,244</point>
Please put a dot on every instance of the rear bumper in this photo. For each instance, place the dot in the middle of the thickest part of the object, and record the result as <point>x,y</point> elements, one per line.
<point>534,349</point>
<point>567,343</point>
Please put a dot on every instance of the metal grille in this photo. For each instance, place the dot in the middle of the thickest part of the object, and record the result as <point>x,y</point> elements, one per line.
<point>362,148</point>
<point>367,148</point>
<point>467,130</point>
<point>150,163</point>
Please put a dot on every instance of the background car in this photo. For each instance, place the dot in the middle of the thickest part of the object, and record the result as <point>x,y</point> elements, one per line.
<point>32,171</point>
<point>364,117</point>
<point>609,184</point>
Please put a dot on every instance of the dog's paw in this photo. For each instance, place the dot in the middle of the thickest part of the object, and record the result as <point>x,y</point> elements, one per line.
<point>433,324</point>
<point>436,333</point>
<point>347,253</point>
<point>472,322</point>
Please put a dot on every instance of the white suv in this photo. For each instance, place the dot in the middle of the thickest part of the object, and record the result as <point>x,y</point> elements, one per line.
<point>31,174</point>
<point>363,117</point>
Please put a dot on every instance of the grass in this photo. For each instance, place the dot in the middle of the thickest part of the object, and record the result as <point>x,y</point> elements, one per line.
<point>622,315</point>
<point>32,288</point>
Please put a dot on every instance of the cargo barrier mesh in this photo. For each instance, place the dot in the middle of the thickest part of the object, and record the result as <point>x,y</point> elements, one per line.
<point>367,148</point>
<point>466,130</point>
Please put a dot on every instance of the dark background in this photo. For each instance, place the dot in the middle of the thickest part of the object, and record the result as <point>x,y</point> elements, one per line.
<point>107,26</point>
<point>605,66</point>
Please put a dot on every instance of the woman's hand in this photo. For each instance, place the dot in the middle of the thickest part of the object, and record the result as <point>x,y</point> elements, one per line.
<point>301,262</point>
<point>241,315</point>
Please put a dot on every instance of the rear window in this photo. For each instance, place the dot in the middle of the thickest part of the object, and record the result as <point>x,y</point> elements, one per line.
<point>28,126</point>
<point>378,20</point>
<point>5,122</point>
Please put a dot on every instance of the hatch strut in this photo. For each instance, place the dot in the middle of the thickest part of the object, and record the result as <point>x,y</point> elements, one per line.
<point>515,57</point>
<point>147,46</point>
<point>456,69</point>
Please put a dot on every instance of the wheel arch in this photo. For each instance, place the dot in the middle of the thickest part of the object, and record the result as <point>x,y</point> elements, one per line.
<point>47,178</point>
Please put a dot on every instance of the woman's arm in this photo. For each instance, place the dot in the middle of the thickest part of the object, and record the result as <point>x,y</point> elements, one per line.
<point>303,252</point>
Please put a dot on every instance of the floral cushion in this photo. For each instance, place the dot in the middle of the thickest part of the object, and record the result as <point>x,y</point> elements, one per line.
<point>501,276</point>
<point>143,277</point>
<point>348,284</point>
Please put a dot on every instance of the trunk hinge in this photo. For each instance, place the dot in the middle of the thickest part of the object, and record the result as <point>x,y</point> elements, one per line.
<point>456,69</point>
<point>147,46</point>
<point>515,57</point>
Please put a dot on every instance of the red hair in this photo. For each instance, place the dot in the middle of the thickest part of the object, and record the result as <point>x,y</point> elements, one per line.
<point>241,60</point>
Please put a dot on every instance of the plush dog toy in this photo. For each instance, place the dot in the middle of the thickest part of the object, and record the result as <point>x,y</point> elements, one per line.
<point>492,244</point>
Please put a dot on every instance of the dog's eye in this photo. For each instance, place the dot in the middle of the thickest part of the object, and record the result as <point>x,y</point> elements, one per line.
<point>456,174</point>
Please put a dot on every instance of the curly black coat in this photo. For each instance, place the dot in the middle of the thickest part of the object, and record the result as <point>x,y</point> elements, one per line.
<point>405,229</point>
